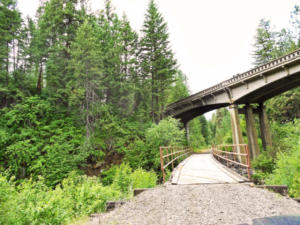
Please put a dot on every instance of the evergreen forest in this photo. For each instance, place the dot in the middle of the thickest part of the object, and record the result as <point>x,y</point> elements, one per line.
<point>82,97</point>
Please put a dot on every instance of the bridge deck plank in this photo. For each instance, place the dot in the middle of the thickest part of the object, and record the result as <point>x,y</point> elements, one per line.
<point>202,169</point>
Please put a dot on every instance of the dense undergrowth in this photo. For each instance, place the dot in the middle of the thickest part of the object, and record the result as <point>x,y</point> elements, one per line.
<point>281,164</point>
<point>33,202</point>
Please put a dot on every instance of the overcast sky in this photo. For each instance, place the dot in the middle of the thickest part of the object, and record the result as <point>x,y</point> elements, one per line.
<point>212,39</point>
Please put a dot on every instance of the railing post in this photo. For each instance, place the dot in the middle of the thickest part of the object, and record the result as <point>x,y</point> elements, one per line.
<point>248,162</point>
<point>162,164</point>
<point>167,153</point>
<point>172,157</point>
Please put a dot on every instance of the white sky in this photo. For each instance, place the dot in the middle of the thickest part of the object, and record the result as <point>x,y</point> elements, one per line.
<point>212,39</point>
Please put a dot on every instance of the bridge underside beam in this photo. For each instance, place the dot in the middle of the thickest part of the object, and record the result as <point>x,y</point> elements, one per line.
<point>270,90</point>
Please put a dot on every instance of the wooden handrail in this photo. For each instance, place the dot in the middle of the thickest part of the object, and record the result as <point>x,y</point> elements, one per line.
<point>184,151</point>
<point>215,152</point>
<point>173,153</point>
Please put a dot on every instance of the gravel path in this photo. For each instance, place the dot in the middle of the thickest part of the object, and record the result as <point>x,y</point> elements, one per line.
<point>200,204</point>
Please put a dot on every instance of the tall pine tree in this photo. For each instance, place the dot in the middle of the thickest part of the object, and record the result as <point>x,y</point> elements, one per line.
<point>264,43</point>
<point>157,60</point>
<point>10,23</point>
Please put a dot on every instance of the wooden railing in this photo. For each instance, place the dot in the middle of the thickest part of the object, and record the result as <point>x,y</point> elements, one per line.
<point>237,154</point>
<point>170,155</point>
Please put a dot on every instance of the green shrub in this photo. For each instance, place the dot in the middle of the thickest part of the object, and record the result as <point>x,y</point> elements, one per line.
<point>143,179</point>
<point>264,163</point>
<point>287,171</point>
<point>122,180</point>
<point>39,139</point>
<point>107,176</point>
<point>145,153</point>
<point>125,180</point>
<point>137,154</point>
<point>287,164</point>
<point>32,202</point>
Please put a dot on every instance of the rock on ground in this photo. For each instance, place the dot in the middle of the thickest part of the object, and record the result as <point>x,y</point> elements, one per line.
<point>200,204</point>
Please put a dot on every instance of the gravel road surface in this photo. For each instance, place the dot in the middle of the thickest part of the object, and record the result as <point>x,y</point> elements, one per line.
<point>200,204</point>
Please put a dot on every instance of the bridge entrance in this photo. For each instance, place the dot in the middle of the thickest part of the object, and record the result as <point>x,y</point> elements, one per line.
<point>205,168</point>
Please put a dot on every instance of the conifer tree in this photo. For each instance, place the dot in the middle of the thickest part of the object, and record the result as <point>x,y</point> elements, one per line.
<point>157,59</point>
<point>265,49</point>
<point>269,45</point>
<point>10,23</point>
<point>57,26</point>
<point>86,86</point>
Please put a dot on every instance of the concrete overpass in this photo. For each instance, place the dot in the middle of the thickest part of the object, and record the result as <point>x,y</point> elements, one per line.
<point>254,86</point>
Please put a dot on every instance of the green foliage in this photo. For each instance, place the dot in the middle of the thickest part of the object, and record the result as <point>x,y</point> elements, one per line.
<point>157,60</point>
<point>179,89</point>
<point>264,43</point>
<point>166,133</point>
<point>107,176</point>
<point>285,136</point>
<point>259,177</point>
<point>122,180</point>
<point>145,154</point>
<point>287,171</point>
<point>38,140</point>
<point>285,107</point>
<point>10,24</point>
<point>77,89</point>
<point>125,180</point>
<point>287,167</point>
<point>34,203</point>
<point>264,163</point>
<point>270,44</point>
<point>221,127</point>
<point>137,154</point>
<point>196,139</point>
<point>142,179</point>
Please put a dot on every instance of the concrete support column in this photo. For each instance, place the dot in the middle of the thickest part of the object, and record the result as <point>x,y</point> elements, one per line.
<point>187,132</point>
<point>236,128</point>
<point>264,127</point>
<point>251,132</point>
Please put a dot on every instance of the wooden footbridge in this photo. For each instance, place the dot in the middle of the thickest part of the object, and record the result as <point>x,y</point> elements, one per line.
<point>207,168</point>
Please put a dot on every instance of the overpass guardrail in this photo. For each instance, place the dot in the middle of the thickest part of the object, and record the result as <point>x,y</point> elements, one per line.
<point>169,154</point>
<point>237,154</point>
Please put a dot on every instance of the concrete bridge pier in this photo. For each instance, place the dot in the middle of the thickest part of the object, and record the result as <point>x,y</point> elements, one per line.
<point>187,131</point>
<point>251,132</point>
<point>264,127</point>
<point>236,128</point>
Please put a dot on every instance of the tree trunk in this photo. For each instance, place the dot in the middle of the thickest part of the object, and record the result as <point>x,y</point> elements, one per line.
<point>40,80</point>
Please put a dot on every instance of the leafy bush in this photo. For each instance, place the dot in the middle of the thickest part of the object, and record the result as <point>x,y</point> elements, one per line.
<point>145,154</point>
<point>280,165</point>
<point>264,163</point>
<point>285,136</point>
<point>122,180</point>
<point>107,176</point>
<point>287,171</point>
<point>125,180</point>
<point>143,179</point>
<point>34,203</point>
<point>38,139</point>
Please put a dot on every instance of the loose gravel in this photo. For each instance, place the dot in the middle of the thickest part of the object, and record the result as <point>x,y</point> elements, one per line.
<point>209,204</point>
